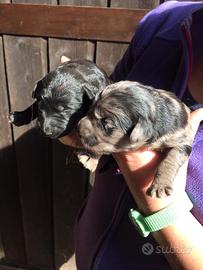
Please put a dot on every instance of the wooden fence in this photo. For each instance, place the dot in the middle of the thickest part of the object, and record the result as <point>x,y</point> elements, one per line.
<point>39,193</point>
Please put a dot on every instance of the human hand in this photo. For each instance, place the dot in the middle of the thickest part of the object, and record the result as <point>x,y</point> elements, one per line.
<point>139,168</point>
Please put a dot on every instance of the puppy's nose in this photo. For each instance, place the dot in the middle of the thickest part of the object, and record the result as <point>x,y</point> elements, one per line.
<point>48,131</point>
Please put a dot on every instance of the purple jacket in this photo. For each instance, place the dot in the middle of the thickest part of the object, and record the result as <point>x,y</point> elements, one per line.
<point>160,54</point>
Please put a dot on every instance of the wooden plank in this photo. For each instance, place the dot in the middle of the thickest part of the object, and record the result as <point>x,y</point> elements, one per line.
<point>146,4</point>
<point>69,184</point>
<point>24,68</point>
<point>53,2</point>
<point>5,1</point>
<point>5,129</point>
<point>90,3</point>
<point>73,49</point>
<point>36,189</point>
<point>10,210</point>
<point>70,22</point>
<point>108,54</point>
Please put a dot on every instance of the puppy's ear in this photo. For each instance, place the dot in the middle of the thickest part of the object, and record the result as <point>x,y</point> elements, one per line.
<point>141,132</point>
<point>89,92</point>
<point>37,89</point>
<point>87,99</point>
<point>64,59</point>
<point>33,94</point>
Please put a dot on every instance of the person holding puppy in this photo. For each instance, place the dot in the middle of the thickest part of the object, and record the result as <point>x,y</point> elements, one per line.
<point>105,236</point>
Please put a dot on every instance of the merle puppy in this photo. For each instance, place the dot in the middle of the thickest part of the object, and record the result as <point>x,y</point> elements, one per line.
<point>63,97</point>
<point>128,115</point>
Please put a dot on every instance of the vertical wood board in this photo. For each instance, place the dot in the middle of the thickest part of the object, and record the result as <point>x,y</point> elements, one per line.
<point>27,62</point>
<point>108,55</point>
<point>10,210</point>
<point>5,128</point>
<point>73,49</point>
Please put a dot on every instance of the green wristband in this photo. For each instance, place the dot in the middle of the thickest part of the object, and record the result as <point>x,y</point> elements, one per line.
<point>162,218</point>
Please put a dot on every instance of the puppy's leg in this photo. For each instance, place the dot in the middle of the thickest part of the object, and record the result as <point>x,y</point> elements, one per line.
<point>163,182</point>
<point>89,160</point>
<point>24,117</point>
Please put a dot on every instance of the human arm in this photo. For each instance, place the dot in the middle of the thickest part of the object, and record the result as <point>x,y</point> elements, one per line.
<point>184,237</point>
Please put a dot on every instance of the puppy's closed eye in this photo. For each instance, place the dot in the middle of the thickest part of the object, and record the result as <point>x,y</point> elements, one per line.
<point>107,125</point>
<point>60,108</point>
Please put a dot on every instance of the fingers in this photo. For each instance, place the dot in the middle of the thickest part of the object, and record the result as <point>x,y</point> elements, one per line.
<point>64,59</point>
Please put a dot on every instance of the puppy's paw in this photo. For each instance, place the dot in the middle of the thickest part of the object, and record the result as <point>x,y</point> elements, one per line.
<point>17,118</point>
<point>88,162</point>
<point>11,117</point>
<point>158,190</point>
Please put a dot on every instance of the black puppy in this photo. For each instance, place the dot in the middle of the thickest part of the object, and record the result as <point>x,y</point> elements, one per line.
<point>63,97</point>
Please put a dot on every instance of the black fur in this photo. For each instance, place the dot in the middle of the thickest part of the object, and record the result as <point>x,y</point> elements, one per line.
<point>63,97</point>
<point>24,117</point>
<point>186,149</point>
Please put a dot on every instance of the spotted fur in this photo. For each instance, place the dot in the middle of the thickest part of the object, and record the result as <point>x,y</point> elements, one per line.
<point>128,115</point>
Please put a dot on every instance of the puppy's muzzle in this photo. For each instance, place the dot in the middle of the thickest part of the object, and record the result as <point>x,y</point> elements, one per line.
<point>86,132</point>
<point>47,129</point>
